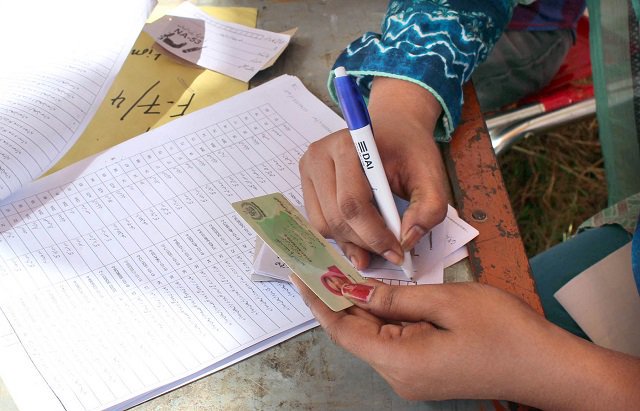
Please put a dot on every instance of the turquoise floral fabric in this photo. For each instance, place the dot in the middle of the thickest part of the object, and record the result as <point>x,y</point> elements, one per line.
<point>436,44</point>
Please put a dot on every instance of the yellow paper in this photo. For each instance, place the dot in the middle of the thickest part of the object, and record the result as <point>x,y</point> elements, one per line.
<point>153,88</point>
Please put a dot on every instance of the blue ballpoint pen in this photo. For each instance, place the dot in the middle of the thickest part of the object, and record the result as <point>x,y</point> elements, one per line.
<point>356,115</point>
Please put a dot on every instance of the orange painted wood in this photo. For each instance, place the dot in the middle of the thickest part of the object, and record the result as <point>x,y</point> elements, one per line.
<point>497,255</point>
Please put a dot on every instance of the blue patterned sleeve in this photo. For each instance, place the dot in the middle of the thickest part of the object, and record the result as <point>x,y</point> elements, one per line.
<point>435,44</point>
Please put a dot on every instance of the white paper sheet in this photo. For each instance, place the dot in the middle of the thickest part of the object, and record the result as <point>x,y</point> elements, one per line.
<point>228,48</point>
<point>430,254</point>
<point>128,273</point>
<point>59,60</point>
<point>604,301</point>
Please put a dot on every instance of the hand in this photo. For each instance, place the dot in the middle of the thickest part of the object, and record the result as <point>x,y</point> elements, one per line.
<point>474,341</point>
<point>337,196</point>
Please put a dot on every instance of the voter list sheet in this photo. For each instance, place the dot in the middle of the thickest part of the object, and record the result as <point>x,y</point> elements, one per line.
<point>59,60</point>
<point>128,274</point>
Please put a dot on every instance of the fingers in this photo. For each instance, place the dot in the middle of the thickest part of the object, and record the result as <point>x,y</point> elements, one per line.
<point>319,309</point>
<point>405,117</point>
<point>426,184</point>
<point>328,318</point>
<point>355,329</point>
<point>358,256</point>
<point>339,201</point>
<point>318,181</point>
<point>311,203</point>
<point>425,211</point>
<point>357,208</point>
<point>430,303</point>
<point>313,164</point>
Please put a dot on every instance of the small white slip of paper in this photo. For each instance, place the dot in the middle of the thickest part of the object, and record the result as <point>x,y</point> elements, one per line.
<point>228,48</point>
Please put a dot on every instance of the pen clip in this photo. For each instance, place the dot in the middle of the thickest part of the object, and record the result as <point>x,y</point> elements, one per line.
<point>351,102</point>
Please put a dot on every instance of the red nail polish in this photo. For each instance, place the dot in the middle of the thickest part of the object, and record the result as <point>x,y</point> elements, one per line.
<point>360,292</point>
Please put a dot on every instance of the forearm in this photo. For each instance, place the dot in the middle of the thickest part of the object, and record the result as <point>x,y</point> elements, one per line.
<point>391,97</point>
<point>405,114</point>
<point>575,374</point>
<point>611,380</point>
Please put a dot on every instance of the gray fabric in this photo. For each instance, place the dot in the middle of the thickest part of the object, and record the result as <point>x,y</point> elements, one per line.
<point>521,63</point>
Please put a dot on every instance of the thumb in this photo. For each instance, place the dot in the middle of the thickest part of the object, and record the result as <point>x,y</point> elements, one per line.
<point>420,217</point>
<point>400,303</point>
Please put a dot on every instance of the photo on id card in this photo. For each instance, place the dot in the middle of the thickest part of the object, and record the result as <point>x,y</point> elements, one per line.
<point>307,253</point>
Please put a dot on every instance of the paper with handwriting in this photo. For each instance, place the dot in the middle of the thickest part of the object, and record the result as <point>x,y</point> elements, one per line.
<point>232,49</point>
<point>152,88</point>
<point>127,274</point>
<point>60,59</point>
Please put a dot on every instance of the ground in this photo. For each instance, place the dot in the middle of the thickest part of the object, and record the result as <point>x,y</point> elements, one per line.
<point>555,181</point>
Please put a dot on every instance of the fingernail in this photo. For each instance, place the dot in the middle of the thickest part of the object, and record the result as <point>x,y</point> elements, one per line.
<point>360,292</point>
<point>393,257</point>
<point>411,238</point>
<point>354,261</point>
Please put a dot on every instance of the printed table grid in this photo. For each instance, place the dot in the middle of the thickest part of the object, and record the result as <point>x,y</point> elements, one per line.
<point>180,238</point>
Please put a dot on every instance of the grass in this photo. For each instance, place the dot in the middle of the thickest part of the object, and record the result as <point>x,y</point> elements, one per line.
<point>555,181</point>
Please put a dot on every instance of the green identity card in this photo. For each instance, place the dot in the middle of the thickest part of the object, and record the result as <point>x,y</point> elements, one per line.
<point>300,246</point>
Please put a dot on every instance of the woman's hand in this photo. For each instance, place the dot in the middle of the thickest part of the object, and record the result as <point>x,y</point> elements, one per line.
<point>337,196</point>
<point>469,340</point>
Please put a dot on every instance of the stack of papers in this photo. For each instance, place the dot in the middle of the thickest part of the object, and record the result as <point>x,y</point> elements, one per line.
<point>55,74</point>
<point>128,274</point>
<point>442,247</point>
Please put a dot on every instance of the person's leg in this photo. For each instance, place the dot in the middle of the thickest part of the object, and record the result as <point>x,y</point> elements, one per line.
<point>553,268</point>
<point>521,63</point>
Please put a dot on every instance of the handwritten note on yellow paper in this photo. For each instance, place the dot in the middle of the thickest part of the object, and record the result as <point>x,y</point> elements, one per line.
<point>154,88</point>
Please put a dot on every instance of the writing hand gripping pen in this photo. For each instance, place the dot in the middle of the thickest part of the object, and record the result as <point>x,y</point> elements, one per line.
<point>356,115</point>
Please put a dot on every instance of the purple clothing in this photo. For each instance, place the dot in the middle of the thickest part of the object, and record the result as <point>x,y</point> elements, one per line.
<point>547,15</point>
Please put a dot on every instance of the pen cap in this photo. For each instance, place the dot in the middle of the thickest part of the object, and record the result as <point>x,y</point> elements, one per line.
<point>354,109</point>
